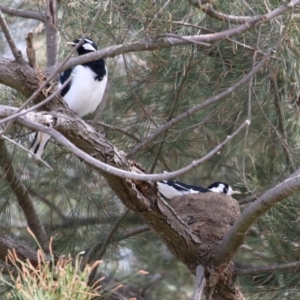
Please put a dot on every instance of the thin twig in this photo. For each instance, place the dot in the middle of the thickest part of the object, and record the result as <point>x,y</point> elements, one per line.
<point>21,112</point>
<point>16,53</point>
<point>23,197</point>
<point>280,117</point>
<point>48,203</point>
<point>97,251</point>
<point>157,14</point>
<point>243,45</point>
<point>182,38</point>
<point>136,97</point>
<point>237,233</point>
<point>247,200</point>
<point>123,131</point>
<point>170,116</point>
<point>199,283</point>
<point>283,142</point>
<point>200,106</point>
<point>133,232</point>
<point>266,269</point>
<point>249,110</point>
<point>25,149</point>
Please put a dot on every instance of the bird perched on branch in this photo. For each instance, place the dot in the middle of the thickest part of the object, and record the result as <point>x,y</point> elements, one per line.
<point>172,188</point>
<point>83,93</point>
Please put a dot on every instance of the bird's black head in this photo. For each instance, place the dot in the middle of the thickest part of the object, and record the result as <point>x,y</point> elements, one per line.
<point>221,187</point>
<point>87,46</point>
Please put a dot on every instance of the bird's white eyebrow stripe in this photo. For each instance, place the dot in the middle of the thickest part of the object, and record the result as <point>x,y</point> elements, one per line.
<point>88,40</point>
<point>181,187</point>
<point>88,47</point>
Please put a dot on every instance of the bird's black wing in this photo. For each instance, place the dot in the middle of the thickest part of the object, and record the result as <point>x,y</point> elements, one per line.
<point>64,76</point>
<point>180,186</point>
<point>97,66</point>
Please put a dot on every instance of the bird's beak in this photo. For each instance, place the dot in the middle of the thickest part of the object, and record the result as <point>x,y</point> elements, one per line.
<point>235,192</point>
<point>71,43</point>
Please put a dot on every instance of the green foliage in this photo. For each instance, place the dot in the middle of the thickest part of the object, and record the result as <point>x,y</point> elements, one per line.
<point>150,88</point>
<point>48,280</point>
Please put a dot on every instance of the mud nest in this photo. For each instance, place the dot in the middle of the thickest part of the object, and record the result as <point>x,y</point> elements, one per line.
<point>209,215</point>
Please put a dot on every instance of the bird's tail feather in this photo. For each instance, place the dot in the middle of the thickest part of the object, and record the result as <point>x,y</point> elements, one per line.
<point>39,143</point>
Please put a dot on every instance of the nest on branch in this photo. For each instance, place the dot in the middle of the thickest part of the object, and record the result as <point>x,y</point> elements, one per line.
<point>209,215</point>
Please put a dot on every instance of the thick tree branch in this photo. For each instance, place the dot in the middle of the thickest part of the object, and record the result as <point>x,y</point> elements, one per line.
<point>87,134</point>
<point>140,196</point>
<point>23,197</point>
<point>22,13</point>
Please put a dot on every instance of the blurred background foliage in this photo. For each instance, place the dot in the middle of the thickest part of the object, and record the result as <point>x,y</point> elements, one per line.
<point>147,90</point>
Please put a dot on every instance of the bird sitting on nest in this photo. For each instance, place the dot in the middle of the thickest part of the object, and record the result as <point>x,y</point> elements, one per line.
<point>172,188</point>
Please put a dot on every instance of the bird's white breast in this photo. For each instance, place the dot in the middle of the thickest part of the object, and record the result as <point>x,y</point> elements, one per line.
<point>85,93</point>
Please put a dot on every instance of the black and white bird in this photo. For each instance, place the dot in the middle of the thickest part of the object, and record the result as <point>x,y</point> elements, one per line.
<point>172,188</point>
<point>83,93</point>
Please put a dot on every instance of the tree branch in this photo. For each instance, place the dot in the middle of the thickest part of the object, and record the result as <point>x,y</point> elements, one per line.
<point>62,122</point>
<point>237,233</point>
<point>23,197</point>
<point>160,42</point>
<point>223,17</point>
<point>22,13</point>
<point>272,268</point>
<point>199,283</point>
<point>48,203</point>
<point>136,231</point>
<point>202,105</point>
<point>139,196</point>
<point>23,251</point>
<point>97,251</point>
<point>51,31</point>
<point>137,139</point>
<point>171,113</point>
<point>21,111</point>
<point>16,53</point>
